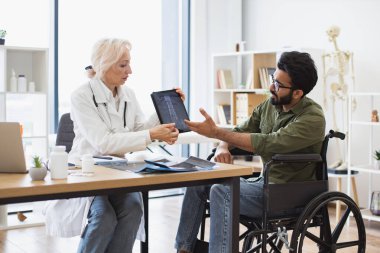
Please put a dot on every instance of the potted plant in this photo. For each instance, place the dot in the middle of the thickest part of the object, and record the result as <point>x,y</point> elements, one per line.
<point>38,171</point>
<point>2,37</point>
<point>376,155</point>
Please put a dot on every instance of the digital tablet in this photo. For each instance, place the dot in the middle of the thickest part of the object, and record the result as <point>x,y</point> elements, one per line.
<point>170,109</point>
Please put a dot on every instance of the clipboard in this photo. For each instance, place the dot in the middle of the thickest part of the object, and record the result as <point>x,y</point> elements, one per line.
<point>170,109</point>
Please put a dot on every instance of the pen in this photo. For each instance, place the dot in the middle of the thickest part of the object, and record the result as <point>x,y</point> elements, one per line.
<point>103,157</point>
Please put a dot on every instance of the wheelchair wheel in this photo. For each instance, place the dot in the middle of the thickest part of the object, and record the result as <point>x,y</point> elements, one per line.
<point>248,242</point>
<point>316,233</point>
<point>250,237</point>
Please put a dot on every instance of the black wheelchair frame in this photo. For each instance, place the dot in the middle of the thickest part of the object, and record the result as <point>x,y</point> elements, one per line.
<point>306,209</point>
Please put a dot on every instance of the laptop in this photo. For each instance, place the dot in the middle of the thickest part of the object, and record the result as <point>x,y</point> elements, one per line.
<point>12,158</point>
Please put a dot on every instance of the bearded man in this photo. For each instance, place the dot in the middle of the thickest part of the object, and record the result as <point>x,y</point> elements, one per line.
<point>288,122</point>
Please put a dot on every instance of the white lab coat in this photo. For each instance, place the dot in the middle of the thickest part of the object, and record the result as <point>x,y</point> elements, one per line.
<point>98,130</point>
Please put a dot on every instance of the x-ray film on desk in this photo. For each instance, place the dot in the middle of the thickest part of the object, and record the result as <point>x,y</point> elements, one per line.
<point>160,165</point>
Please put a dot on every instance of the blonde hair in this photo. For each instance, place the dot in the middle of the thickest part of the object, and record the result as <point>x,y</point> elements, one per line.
<point>105,53</point>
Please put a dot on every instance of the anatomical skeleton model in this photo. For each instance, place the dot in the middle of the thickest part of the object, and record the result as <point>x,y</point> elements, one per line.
<point>338,71</point>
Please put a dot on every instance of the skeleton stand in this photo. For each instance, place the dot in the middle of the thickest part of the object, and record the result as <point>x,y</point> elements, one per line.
<point>337,65</point>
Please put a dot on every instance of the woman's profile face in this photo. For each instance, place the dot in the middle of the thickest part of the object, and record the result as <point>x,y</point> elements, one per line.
<point>119,72</point>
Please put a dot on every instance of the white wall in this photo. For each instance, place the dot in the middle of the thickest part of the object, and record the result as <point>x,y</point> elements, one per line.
<point>215,27</point>
<point>276,23</point>
<point>26,28</point>
<point>298,23</point>
<point>30,24</point>
<point>79,29</point>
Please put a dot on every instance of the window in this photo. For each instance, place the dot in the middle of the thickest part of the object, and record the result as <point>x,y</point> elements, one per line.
<point>82,23</point>
<point>158,31</point>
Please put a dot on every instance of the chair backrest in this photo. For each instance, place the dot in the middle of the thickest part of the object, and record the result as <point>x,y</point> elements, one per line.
<point>65,133</point>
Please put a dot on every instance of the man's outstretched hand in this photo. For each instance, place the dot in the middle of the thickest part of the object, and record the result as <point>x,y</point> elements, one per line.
<point>207,128</point>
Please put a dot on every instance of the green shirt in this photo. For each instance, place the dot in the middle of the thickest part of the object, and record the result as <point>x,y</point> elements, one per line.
<point>300,130</point>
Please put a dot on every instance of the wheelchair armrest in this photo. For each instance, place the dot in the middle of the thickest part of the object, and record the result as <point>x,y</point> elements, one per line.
<point>211,155</point>
<point>238,151</point>
<point>336,134</point>
<point>233,151</point>
<point>297,158</point>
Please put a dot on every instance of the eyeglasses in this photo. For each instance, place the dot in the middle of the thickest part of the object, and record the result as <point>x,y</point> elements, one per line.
<point>278,85</point>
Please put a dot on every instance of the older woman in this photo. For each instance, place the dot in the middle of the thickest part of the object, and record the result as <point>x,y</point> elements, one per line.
<point>107,121</point>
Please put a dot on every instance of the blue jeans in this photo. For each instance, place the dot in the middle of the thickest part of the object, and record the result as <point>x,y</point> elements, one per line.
<point>113,222</point>
<point>193,206</point>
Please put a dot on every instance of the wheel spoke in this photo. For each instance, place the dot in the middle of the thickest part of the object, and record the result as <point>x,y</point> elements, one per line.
<point>255,249</point>
<point>326,226</point>
<point>342,245</point>
<point>273,247</point>
<point>338,229</point>
<point>317,240</point>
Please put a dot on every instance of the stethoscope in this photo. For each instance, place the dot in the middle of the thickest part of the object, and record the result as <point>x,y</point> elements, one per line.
<point>106,107</point>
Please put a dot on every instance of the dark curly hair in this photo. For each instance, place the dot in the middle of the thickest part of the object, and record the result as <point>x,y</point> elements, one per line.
<point>300,68</point>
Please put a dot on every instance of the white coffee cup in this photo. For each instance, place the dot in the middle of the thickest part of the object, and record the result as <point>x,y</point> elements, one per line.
<point>87,164</point>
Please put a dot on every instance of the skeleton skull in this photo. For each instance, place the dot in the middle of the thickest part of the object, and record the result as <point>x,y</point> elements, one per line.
<point>333,32</point>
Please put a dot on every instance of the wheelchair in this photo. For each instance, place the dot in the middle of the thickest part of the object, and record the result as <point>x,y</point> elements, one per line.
<point>303,210</point>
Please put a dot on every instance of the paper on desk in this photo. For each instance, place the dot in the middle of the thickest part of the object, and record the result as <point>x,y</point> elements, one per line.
<point>99,161</point>
<point>117,164</point>
<point>141,156</point>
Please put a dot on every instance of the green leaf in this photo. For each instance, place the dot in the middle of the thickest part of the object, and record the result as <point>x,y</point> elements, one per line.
<point>376,154</point>
<point>37,162</point>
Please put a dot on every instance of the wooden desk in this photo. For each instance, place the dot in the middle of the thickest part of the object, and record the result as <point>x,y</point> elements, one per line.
<point>256,164</point>
<point>16,188</point>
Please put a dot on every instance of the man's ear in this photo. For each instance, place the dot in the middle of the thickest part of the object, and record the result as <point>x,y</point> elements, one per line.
<point>297,94</point>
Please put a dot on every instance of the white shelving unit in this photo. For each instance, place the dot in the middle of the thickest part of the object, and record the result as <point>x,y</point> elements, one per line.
<point>28,108</point>
<point>243,66</point>
<point>364,122</point>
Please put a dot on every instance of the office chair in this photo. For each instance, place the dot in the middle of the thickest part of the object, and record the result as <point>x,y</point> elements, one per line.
<point>65,132</point>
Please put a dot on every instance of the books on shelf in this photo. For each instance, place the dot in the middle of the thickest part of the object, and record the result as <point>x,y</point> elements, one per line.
<point>246,103</point>
<point>224,79</point>
<point>224,114</point>
<point>270,74</point>
<point>265,74</point>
